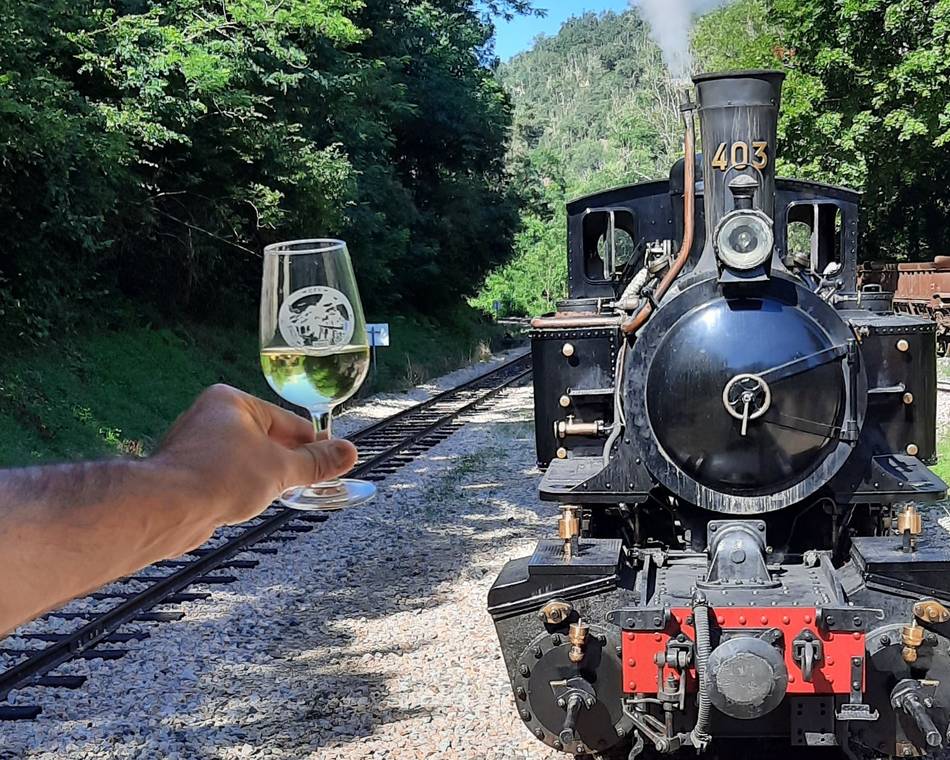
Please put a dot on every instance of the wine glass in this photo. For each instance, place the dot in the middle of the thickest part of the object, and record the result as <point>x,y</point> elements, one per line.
<point>314,347</point>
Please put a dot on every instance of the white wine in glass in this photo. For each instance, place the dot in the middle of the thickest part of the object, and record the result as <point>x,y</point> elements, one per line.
<point>314,347</point>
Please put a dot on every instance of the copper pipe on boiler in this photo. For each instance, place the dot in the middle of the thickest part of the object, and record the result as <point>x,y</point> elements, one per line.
<point>559,323</point>
<point>689,223</point>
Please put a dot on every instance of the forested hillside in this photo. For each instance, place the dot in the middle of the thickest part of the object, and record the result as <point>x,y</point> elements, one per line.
<point>593,108</point>
<point>865,105</point>
<point>151,148</point>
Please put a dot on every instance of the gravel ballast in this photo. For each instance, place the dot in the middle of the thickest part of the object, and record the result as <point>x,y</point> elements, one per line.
<point>366,638</point>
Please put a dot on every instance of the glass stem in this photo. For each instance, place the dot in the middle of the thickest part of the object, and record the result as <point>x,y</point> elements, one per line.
<point>322,426</point>
<point>321,420</point>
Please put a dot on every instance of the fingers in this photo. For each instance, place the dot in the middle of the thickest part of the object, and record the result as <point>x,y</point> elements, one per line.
<point>283,426</point>
<point>323,460</point>
<point>286,427</point>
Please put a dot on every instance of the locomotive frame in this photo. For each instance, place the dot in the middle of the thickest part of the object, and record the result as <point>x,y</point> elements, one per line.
<point>738,440</point>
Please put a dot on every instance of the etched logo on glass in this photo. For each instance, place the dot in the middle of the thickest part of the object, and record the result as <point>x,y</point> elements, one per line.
<point>316,317</point>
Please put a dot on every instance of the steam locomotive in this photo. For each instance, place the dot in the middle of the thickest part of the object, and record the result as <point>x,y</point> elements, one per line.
<point>738,439</point>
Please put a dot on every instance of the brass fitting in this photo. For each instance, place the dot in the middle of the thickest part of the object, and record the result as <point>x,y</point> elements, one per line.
<point>912,636</point>
<point>910,524</point>
<point>570,523</point>
<point>577,635</point>
<point>564,428</point>
<point>555,612</point>
<point>569,529</point>
<point>931,611</point>
<point>909,520</point>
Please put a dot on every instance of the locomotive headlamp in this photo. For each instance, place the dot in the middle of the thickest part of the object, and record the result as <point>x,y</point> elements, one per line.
<point>744,239</point>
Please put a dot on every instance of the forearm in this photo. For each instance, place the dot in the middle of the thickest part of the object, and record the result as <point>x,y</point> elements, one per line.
<point>68,529</point>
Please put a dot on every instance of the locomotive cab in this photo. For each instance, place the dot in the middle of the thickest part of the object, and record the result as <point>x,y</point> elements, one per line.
<point>738,439</point>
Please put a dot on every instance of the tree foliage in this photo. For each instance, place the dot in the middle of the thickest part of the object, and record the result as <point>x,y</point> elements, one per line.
<point>594,108</point>
<point>154,146</point>
<point>865,104</point>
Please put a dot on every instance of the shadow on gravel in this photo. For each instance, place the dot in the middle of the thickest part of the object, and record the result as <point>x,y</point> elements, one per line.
<point>404,556</point>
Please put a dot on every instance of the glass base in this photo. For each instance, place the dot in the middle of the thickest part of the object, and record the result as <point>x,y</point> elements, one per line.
<point>329,497</point>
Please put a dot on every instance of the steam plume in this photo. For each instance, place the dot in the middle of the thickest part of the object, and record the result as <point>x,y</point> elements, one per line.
<point>670,22</point>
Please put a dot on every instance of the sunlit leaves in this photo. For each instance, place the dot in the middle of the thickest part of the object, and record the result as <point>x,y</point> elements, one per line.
<point>594,108</point>
<point>163,142</point>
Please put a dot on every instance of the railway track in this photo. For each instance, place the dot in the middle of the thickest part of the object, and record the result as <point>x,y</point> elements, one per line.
<point>385,446</point>
<point>943,387</point>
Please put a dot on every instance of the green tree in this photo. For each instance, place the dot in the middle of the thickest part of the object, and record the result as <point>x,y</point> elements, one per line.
<point>152,147</point>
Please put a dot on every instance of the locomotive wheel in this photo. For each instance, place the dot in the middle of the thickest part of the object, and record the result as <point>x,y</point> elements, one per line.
<point>544,662</point>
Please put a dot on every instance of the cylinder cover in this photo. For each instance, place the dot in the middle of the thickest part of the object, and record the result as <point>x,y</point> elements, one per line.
<point>747,677</point>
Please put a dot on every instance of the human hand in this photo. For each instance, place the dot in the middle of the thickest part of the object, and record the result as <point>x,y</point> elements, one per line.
<point>239,453</point>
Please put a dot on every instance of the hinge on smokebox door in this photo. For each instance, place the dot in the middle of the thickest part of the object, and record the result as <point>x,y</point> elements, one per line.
<point>849,427</point>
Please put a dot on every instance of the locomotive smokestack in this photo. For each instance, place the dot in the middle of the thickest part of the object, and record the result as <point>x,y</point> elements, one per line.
<point>739,116</point>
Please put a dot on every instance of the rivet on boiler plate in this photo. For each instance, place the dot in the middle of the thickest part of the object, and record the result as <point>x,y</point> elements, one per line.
<point>912,449</point>
<point>908,398</point>
<point>903,346</point>
<point>562,453</point>
<point>568,350</point>
<point>565,401</point>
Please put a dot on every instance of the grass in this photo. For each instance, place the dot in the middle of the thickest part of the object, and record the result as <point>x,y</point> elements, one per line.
<point>108,391</point>
<point>447,487</point>
<point>423,348</point>
<point>942,468</point>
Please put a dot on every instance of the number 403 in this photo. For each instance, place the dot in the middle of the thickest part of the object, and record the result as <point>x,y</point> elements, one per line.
<point>740,155</point>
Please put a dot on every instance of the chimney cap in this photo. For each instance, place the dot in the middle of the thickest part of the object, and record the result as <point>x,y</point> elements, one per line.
<point>743,182</point>
<point>741,74</point>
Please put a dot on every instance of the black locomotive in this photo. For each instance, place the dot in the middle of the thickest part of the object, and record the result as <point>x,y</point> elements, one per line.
<point>738,439</point>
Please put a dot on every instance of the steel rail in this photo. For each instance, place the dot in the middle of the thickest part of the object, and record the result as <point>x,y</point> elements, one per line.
<point>471,384</point>
<point>101,625</point>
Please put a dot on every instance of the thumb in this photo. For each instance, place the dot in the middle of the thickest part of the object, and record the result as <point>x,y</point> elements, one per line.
<point>323,460</point>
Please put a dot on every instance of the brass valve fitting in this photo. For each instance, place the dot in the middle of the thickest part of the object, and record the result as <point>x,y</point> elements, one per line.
<point>577,635</point>
<point>569,530</point>
<point>931,611</point>
<point>912,636</point>
<point>910,525</point>
<point>556,612</point>
<point>564,428</point>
